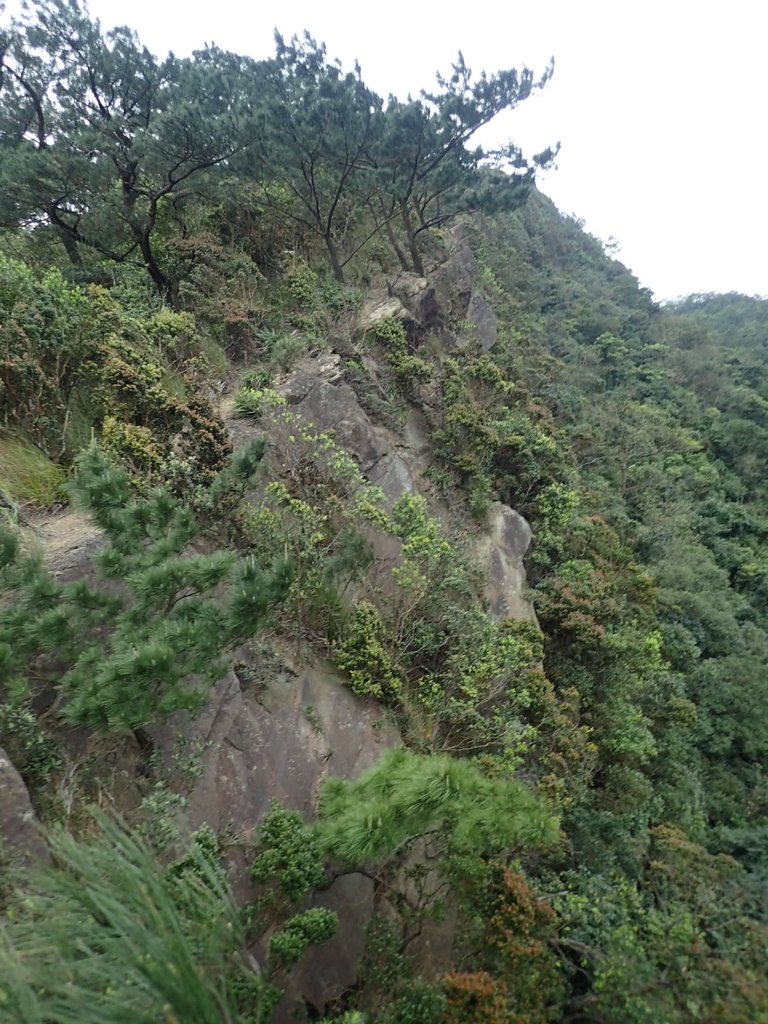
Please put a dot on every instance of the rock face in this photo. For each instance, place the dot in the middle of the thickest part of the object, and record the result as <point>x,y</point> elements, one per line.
<point>409,299</point>
<point>500,552</point>
<point>316,393</point>
<point>334,407</point>
<point>457,295</point>
<point>281,743</point>
<point>18,831</point>
<point>274,732</point>
<point>482,322</point>
<point>453,280</point>
<point>392,475</point>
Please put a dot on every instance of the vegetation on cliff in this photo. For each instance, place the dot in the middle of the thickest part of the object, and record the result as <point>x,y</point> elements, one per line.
<point>579,801</point>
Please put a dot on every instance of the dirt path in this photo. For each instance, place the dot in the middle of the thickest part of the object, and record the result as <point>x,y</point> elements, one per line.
<point>67,538</point>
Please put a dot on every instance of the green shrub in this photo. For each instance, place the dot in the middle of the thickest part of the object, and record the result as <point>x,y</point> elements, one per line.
<point>257,380</point>
<point>361,652</point>
<point>123,661</point>
<point>33,753</point>
<point>50,340</point>
<point>247,403</point>
<point>409,370</point>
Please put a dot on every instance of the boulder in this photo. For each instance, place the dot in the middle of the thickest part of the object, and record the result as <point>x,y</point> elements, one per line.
<point>499,552</point>
<point>18,823</point>
<point>335,408</point>
<point>453,280</point>
<point>384,309</point>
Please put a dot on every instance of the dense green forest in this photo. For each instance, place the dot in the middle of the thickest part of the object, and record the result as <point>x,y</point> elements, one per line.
<point>572,823</point>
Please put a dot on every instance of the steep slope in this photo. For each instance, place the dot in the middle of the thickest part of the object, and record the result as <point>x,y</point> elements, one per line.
<point>611,656</point>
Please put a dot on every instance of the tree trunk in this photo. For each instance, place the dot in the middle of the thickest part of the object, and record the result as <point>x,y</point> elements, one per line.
<point>67,237</point>
<point>70,245</point>
<point>398,251</point>
<point>335,262</point>
<point>166,287</point>
<point>413,248</point>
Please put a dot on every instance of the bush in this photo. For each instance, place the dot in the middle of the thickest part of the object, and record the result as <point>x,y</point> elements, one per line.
<point>49,339</point>
<point>248,403</point>
<point>361,652</point>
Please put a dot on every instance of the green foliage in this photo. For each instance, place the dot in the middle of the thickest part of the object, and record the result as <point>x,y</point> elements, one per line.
<point>170,622</point>
<point>75,361</point>
<point>462,682</point>
<point>362,654</point>
<point>419,1003</point>
<point>34,754</point>
<point>112,935</point>
<point>289,857</point>
<point>27,476</point>
<point>247,403</point>
<point>492,437</point>
<point>47,348</point>
<point>406,796</point>
<point>409,370</point>
<point>317,514</point>
<point>158,435</point>
<point>100,137</point>
<point>634,439</point>
<point>301,931</point>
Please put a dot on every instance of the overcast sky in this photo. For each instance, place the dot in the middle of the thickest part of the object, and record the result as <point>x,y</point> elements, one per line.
<point>660,107</point>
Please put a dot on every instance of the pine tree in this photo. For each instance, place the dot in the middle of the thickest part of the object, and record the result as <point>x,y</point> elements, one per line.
<point>151,634</point>
<point>407,796</point>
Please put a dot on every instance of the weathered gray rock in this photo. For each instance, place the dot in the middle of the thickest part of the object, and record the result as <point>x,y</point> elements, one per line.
<point>419,298</point>
<point>297,386</point>
<point>482,323</point>
<point>281,744</point>
<point>388,308</point>
<point>334,407</point>
<point>327,970</point>
<point>392,475</point>
<point>18,832</point>
<point>499,553</point>
<point>320,368</point>
<point>409,287</point>
<point>409,299</point>
<point>453,280</point>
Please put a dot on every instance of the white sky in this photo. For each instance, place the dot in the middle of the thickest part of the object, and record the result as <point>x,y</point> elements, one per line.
<point>660,107</point>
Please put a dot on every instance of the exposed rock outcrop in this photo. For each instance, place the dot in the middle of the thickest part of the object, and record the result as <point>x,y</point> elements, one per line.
<point>482,324</point>
<point>314,390</point>
<point>499,552</point>
<point>410,299</point>
<point>69,540</point>
<point>279,739</point>
<point>18,823</point>
<point>455,288</point>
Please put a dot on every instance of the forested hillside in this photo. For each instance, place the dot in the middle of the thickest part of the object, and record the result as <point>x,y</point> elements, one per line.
<point>383,631</point>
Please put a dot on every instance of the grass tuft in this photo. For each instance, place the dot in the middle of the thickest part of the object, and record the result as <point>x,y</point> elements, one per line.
<point>27,476</point>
